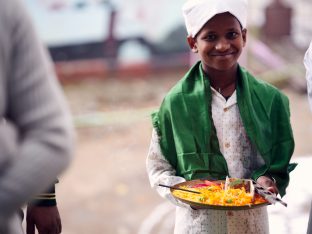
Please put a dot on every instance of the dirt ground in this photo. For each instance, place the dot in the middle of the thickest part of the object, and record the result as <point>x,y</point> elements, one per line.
<point>106,190</point>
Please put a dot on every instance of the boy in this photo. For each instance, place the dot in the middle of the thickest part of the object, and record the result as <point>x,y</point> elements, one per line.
<point>219,121</point>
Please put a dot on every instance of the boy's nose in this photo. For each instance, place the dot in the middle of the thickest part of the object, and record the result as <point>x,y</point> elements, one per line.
<point>222,45</point>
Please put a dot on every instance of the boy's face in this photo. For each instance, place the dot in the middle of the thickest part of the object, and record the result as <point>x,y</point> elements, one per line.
<point>219,43</point>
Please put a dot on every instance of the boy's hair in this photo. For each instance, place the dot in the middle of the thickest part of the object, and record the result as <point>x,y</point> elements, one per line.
<point>196,13</point>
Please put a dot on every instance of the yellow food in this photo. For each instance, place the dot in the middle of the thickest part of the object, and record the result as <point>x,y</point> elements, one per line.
<point>216,195</point>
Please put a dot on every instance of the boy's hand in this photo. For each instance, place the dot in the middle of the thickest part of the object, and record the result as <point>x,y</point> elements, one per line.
<point>268,183</point>
<point>45,218</point>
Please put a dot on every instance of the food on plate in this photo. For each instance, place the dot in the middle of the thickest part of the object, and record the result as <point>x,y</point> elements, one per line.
<point>232,192</point>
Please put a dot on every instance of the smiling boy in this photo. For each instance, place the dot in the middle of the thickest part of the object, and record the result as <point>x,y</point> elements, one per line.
<point>219,121</point>
<point>219,45</point>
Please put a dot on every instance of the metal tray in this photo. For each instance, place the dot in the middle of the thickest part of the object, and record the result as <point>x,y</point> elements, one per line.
<point>199,205</point>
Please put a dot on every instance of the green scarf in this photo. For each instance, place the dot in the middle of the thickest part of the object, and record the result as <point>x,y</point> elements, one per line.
<point>188,138</point>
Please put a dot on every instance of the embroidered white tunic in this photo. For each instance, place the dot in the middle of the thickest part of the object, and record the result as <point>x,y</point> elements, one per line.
<point>241,157</point>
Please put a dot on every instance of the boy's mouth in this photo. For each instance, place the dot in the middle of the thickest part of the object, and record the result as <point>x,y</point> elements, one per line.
<point>226,54</point>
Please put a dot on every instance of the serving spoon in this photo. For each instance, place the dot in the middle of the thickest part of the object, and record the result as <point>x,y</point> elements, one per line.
<point>185,190</point>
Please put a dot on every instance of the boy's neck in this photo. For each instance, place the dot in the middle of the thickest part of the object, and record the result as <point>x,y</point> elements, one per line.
<point>223,81</point>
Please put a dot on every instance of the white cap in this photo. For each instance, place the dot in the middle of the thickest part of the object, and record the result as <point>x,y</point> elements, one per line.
<point>308,65</point>
<point>196,13</point>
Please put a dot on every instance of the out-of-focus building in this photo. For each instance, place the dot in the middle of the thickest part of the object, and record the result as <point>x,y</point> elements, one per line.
<point>136,31</point>
<point>80,29</point>
<point>301,28</point>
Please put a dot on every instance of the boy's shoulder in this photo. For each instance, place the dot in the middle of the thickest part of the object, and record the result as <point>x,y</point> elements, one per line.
<point>173,96</point>
<point>261,87</point>
<point>186,83</point>
<point>177,90</point>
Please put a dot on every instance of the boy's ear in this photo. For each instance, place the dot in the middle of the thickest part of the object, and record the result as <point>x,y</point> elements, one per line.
<point>192,44</point>
<point>244,35</point>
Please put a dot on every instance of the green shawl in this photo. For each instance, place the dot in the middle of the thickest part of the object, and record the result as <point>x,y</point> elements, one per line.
<point>188,137</point>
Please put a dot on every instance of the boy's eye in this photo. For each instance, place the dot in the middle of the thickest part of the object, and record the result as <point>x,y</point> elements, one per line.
<point>210,37</point>
<point>232,35</point>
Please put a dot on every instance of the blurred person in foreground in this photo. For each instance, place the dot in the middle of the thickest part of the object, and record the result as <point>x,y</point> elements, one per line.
<point>308,65</point>
<point>218,121</point>
<point>36,135</point>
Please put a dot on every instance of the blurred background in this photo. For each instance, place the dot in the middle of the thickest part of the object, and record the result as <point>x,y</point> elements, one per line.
<point>116,60</point>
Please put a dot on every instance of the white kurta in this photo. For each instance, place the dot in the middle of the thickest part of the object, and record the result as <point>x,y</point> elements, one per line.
<point>308,65</point>
<point>241,157</point>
